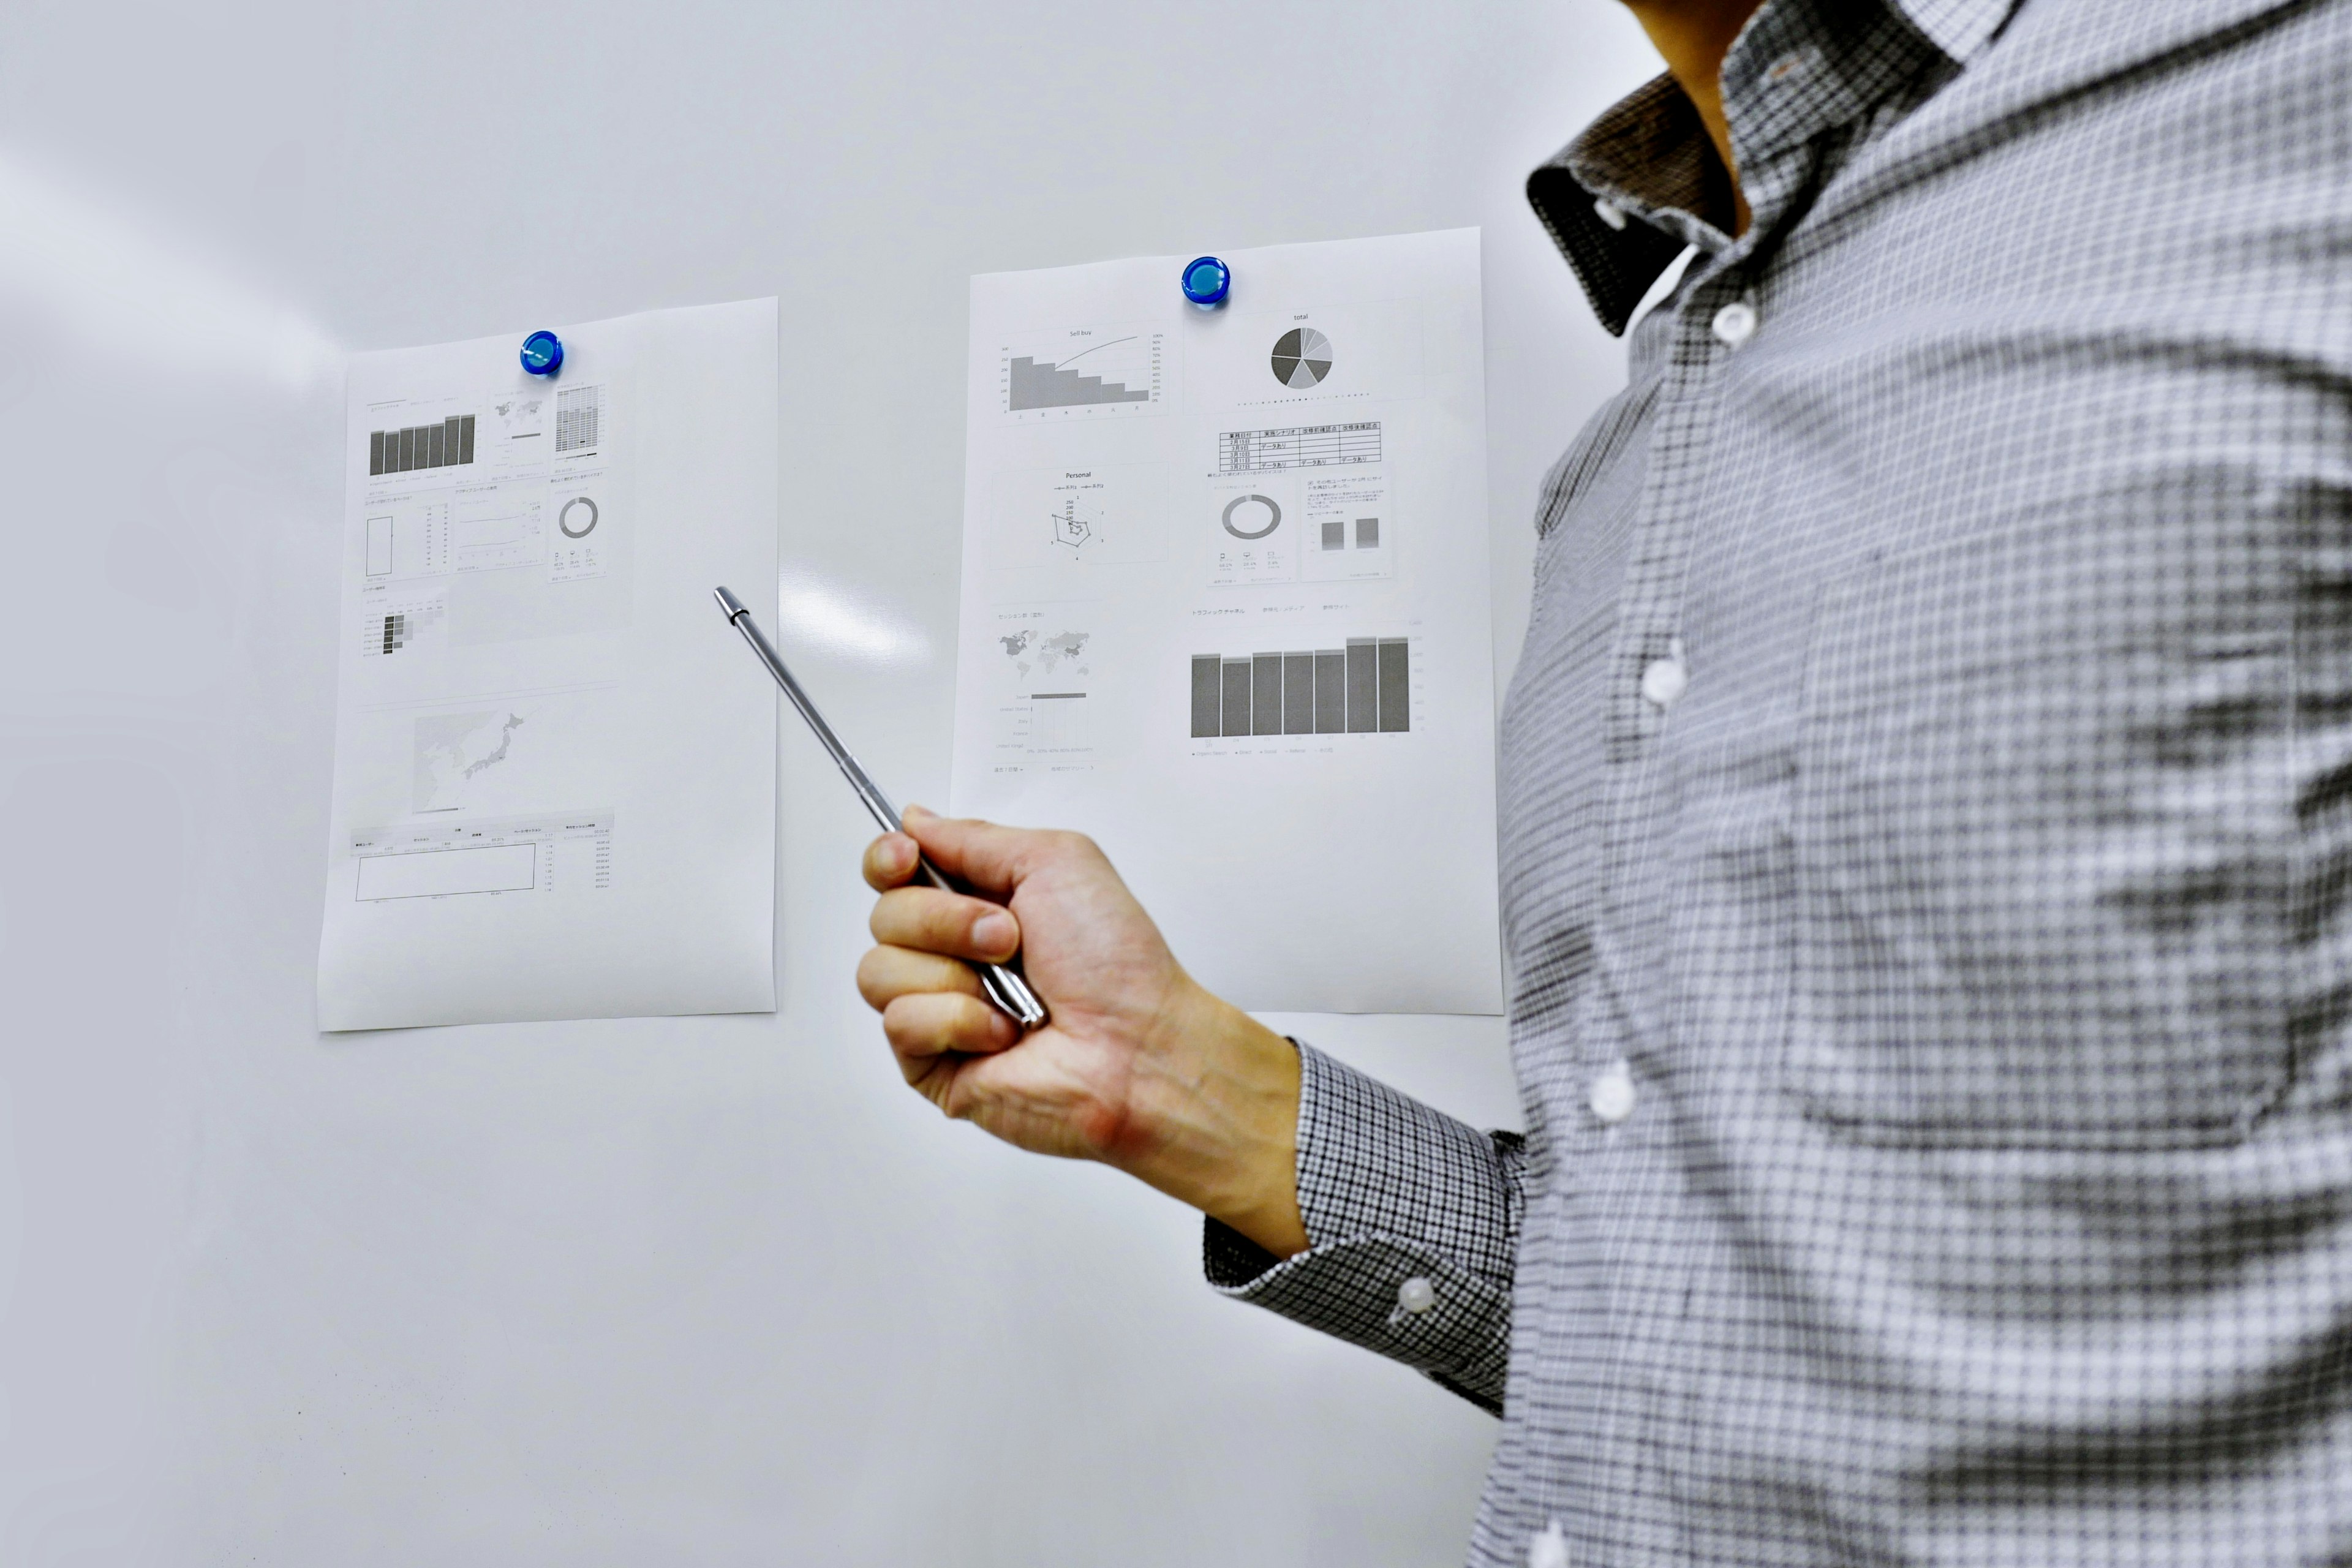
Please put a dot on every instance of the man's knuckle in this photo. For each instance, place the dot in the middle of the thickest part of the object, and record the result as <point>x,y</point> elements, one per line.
<point>903,1024</point>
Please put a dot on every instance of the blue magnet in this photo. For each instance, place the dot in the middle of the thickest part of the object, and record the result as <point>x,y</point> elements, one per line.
<point>1207,281</point>
<point>542,353</point>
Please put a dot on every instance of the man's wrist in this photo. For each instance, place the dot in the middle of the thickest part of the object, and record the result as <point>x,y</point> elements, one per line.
<point>1224,1126</point>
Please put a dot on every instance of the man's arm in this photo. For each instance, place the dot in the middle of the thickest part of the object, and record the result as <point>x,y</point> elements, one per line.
<point>1331,1198</point>
<point>1414,1222</point>
<point>1140,1068</point>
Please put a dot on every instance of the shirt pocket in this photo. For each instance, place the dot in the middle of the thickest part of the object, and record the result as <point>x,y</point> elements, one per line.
<point>2044,820</point>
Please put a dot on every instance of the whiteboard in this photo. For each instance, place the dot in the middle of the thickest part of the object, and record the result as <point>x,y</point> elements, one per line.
<point>710,1291</point>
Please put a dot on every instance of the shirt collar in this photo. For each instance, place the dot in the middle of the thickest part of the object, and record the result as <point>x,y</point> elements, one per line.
<point>1960,28</point>
<point>1643,182</point>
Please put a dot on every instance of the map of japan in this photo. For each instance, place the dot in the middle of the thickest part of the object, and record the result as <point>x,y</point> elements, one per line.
<point>452,749</point>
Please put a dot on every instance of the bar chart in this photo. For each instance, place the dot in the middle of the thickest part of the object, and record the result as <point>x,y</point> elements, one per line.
<point>444,445</point>
<point>1362,688</point>
<point>1083,372</point>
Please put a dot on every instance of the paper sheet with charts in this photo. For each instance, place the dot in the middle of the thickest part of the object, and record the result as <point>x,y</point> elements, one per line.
<point>554,791</point>
<point>1225,607</point>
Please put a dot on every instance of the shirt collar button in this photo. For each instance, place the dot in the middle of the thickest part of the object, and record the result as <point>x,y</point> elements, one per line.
<point>1613,1095</point>
<point>1735,323</point>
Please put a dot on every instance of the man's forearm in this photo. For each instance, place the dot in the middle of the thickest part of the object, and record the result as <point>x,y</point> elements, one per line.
<point>1217,1122</point>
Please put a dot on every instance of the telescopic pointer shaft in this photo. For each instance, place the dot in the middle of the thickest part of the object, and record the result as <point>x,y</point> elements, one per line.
<point>1002,982</point>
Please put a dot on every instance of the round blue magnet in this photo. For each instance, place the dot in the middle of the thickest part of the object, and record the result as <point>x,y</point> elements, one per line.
<point>1207,281</point>
<point>542,353</point>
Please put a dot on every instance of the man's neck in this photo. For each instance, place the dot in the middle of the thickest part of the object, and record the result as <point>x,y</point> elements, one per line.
<point>1694,35</point>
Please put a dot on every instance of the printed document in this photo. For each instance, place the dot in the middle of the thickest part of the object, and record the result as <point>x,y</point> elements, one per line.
<point>555,789</point>
<point>1225,607</point>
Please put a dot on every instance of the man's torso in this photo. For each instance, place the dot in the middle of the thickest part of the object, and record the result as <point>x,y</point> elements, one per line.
<point>1969,925</point>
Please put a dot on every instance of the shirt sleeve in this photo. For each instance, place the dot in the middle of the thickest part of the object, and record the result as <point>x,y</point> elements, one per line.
<point>1412,1224</point>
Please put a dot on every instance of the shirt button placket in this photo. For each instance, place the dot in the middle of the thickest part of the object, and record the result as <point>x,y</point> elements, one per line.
<point>1663,680</point>
<point>1735,323</point>
<point>1612,1096</point>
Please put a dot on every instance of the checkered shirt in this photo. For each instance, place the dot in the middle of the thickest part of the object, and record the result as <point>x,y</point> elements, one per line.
<point>1926,829</point>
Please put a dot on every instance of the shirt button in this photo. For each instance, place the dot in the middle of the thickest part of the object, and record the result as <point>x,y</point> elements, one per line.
<point>1610,212</point>
<point>1663,680</point>
<point>1549,1549</point>
<point>1613,1094</point>
<point>1416,1295</point>
<point>1735,323</point>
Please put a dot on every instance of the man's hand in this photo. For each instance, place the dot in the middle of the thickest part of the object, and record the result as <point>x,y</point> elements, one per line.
<point>1139,1068</point>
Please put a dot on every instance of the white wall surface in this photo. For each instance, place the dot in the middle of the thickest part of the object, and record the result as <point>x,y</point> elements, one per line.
<point>712,1290</point>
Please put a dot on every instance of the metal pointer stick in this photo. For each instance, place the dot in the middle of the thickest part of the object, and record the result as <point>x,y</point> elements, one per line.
<point>1002,982</point>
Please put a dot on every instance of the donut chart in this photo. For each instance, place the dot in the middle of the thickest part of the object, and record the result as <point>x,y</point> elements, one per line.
<point>563,519</point>
<point>1273,516</point>
<point>1302,358</point>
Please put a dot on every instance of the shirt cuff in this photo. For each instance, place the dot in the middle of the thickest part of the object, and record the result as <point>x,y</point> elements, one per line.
<point>1412,1224</point>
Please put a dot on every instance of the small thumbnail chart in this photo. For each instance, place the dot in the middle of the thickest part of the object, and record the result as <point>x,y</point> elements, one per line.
<point>551,854</point>
<point>1078,522</point>
<point>583,530</point>
<point>387,627</point>
<point>1297,446</point>
<point>1052,518</point>
<point>1318,525</point>
<point>1362,688</point>
<point>494,528</point>
<point>1301,358</point>
<point>1045,719</point>
<point>445,444</point>
<point>579,419</point>
<point>1083,373</point>
<point>408,540</point>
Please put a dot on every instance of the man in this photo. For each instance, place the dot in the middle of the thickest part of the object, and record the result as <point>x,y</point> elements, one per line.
<point>1926,829</point>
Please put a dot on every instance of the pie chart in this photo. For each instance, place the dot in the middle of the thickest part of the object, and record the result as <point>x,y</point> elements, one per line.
<point>1302,358</point>
<point>1259,516</point>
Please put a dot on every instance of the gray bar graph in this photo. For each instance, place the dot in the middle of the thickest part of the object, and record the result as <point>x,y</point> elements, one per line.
<point>1208,695</point>
<point>1364,689</point>
<point>1363,686</point>
<point>1035,385</point>
<point>1298,694</point>
<point>1237,696</point>
<point>443,445</point>
<point>1330,692</point>
<point>1265,697</point>
<point>1396,698</point>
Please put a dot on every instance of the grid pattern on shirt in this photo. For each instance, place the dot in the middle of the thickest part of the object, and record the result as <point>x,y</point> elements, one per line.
<point>1974,931</point>
<point>1452,1227</point>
